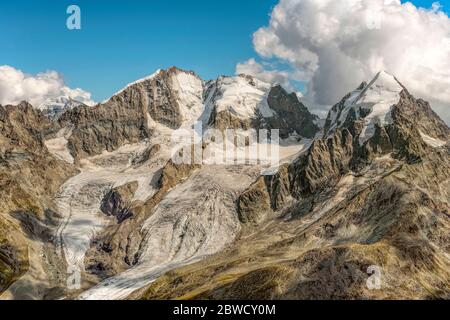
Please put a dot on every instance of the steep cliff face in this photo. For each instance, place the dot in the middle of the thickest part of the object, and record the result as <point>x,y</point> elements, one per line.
<point>176,98</point>
<point>29,178</point>
<point>117,202</point>
<point>291,114</point>
<point>406,130</point>
<point>107,126</point>
<point>125,117</point>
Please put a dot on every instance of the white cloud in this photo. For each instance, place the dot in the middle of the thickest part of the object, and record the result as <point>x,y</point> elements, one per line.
<point>334,45</point>
<point>257,70</point>
<point>16,86</point>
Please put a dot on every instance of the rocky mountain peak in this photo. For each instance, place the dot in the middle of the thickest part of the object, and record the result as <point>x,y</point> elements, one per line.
<point>54,107</point>
<point>372,102</point>
<point>381,104</point>
<point>245,102</point>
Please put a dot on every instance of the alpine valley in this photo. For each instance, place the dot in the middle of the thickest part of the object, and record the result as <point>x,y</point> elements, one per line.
<point>93,194</point>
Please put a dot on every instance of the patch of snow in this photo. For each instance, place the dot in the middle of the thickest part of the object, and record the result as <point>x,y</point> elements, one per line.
<point>58,145</point>
<point>433,142</point>
<point>288,152</point>
<point>378,97</point>
<point>53,107</point>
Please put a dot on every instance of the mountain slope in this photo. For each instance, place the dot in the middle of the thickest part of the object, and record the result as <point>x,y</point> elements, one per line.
<point>30,176</point>
<point>370,193</point>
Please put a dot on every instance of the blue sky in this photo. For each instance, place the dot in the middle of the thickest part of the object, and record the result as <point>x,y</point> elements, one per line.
<point>121,41</point>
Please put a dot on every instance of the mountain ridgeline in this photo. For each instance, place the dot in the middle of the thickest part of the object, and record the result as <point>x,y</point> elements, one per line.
<point>172,97</point>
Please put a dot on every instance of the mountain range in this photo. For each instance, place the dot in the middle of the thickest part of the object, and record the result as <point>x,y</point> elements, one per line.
<point>97,205</point>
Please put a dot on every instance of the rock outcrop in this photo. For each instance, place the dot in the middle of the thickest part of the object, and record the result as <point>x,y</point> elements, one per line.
<point>341,151</point>
<point>29,178</point>
<point>291,115</point>
<point>118,248</point>
<point>118,201</point>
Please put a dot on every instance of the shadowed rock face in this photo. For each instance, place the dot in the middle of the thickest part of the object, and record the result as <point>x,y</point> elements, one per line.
<point>224,120</point>
<point>124,118</point>
<point>108,126</point>
<point>328,159</point>
<point>254,203</point>
<point>117,202</point>
<point>292,115</point>
<point>288,114</point>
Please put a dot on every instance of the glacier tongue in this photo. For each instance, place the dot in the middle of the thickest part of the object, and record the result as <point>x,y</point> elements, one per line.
<point>197,218</point>
<point>80,197</point>
<point>194,219</point>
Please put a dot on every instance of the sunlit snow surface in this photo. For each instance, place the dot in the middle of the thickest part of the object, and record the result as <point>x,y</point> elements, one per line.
<point>375,100</point>
<point>243,97</point>
<point>432,142</point>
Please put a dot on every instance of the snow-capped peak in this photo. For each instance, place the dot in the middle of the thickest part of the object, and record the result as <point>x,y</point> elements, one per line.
<point>372,103</point>
<point>188,89</point>
<point>378,98</point>
<point>54,106</point>
<point>242,96</point>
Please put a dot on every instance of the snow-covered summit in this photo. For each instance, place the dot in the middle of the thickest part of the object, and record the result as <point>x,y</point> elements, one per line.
<point>371,102</point>
<point>188,90</point>
<point>54,106</point>
<point>176,98</point>
<point>243,96</point>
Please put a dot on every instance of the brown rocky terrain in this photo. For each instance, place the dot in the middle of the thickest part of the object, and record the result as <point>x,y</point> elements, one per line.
<point>30,177</point>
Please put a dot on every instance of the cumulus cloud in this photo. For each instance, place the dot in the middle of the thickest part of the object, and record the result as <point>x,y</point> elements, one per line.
<point>17,86</point>
<point>258,71</point>
<point>332,46</point>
